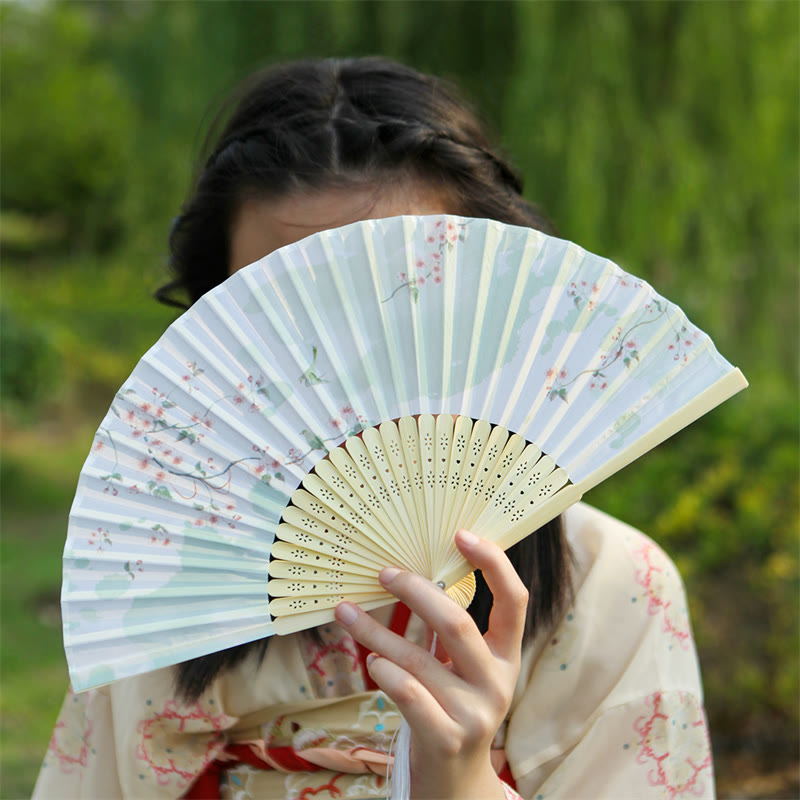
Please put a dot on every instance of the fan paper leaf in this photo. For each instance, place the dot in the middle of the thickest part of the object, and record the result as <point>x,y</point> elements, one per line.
<point>569,366</point>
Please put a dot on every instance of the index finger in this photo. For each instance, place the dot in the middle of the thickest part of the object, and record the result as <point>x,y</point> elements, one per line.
<point>510,606</point>
<point>456,630</point>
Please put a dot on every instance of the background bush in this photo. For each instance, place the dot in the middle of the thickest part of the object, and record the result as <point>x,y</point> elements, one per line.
<point>661,134</point>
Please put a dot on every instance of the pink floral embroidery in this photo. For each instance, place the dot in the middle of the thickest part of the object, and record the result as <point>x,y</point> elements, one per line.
<point>674,744</point>
<point>343,646</point>
<point>179,760</point>
<point>509,793</point>
<point>652,577</point>
<point>330,787</point>
<point>70,740</point>
<point>332,665</point>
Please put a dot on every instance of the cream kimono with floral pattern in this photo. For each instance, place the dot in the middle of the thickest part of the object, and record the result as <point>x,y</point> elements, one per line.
<point>608,705</point>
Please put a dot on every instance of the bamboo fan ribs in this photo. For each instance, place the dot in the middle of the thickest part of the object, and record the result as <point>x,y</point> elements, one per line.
<point>348,403</point>
<point>397,496</point>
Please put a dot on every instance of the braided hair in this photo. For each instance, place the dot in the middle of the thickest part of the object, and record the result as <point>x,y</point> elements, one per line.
<point>320,124</point>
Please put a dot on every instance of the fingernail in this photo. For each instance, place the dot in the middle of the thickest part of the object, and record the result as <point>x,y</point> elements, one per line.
<point>388,574</point>
<point>346,613</point>
<point>370,658</point>
<point>467,538</point>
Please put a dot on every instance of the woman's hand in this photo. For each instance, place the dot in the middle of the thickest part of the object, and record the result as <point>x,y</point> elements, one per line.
<point>454,709</point>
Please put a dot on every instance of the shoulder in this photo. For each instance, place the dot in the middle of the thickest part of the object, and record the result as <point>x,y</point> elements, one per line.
<point>600,540</point>
<point>627,572</point>
<point>623,647</point>
<point>626,634</point>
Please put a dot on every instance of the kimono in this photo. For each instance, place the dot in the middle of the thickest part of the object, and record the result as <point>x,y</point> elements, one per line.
<point>608,704</point>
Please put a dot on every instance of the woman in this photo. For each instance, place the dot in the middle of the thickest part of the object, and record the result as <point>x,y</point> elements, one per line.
<point>582,682</point>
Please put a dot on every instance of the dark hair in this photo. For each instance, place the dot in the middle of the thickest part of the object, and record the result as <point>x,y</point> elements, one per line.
<point>314,124</point>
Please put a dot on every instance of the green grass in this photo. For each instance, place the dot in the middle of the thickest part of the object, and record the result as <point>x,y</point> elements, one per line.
<point>32,664</point>
<point>38,480</point>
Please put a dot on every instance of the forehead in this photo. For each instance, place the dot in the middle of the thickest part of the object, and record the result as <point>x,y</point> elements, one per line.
<point>262,225</point>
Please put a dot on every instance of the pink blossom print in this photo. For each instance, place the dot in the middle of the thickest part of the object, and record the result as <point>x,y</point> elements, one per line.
<point>683,341</point>
<point>583,294</point>
<point>170,469</point>
<point>623,355</point>
<point>623,350</point>
<point>100,539</point>
<point>132,568</point>
<point>167,468</point>
<point>428,269</point>
<point>160,535</point>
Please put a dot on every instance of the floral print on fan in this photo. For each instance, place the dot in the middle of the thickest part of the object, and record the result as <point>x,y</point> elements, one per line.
<point>166,463</point>
<point>684,340</point>
<point>100,539</point>
<point>624,351</point>
<point>583,294</point>
<point>626,343</point>
<point>429,270</point>
<point>168,470</point>
<point>349,423</point>
<point>165,468</point>
<point>674,744</point>
<point>132,567</point>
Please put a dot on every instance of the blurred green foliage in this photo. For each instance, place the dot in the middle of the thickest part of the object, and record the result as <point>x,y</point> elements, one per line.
<point>28,368</point>
<point>67,126</point>
<point>661,134</point>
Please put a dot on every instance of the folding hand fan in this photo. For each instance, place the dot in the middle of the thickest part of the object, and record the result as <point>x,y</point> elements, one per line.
<point>228,496</point>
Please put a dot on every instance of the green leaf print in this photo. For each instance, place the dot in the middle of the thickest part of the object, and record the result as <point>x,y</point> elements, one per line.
<point>314,442</point>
